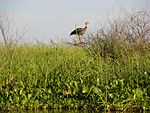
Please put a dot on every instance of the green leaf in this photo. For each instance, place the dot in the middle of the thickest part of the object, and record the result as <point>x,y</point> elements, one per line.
<point>138,93</point>
<point>122,83</point>
<point>20,92</point>
<point>23,102</point>
<point>29,96</point>
<point>85,89</point>
<point>96,90</point>
<point>16,98</point>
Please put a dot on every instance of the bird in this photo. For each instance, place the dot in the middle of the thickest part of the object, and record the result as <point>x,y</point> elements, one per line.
<point>80,31</point>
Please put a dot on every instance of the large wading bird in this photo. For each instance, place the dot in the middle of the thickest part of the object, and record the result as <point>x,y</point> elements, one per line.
<point>79,31</point>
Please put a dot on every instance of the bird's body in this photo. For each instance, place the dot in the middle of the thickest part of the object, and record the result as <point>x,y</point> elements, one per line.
<point>79,31</point>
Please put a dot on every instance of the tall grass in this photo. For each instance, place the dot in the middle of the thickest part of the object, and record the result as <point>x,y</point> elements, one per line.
<point>55,77</point>
<point>109,74</point>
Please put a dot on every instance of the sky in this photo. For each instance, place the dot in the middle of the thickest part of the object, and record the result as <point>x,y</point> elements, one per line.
<point>46,20</point>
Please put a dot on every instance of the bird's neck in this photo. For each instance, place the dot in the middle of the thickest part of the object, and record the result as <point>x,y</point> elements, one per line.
<point>85,27</point>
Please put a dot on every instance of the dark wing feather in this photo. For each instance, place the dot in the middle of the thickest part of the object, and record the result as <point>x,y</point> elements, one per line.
<point>73,32</point>
<point>76,31</point>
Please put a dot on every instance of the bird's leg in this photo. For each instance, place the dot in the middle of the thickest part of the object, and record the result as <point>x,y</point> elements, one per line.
<point>79,39</point>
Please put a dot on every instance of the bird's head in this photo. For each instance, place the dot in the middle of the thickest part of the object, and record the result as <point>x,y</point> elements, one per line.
<point>86,23</point>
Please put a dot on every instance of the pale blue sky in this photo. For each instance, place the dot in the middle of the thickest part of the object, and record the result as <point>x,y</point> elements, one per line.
<point>55,19</point>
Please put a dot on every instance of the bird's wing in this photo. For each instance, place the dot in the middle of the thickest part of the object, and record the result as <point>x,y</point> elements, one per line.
<point>76,31</point>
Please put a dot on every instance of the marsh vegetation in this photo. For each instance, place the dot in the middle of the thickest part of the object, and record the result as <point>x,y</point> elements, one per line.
<point>111,73</point>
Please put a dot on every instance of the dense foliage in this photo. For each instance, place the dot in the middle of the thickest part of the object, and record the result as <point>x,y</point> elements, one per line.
<point>111,71</point>
<point>33,77</point>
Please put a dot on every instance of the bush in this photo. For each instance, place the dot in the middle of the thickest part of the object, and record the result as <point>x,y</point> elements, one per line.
<point>125,35</point>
